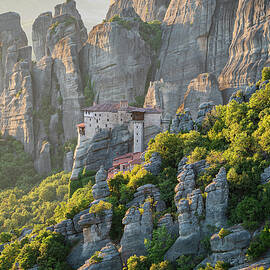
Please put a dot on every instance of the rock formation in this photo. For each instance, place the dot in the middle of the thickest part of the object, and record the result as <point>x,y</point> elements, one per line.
<point>197,35</point>
<point>202,89</point>
<point>148,10</point>
<point>154,165</point>
<point>204,109</point>
<point>182,122</point>
<point>109,260</point>
<point>231,248</point>
<point>101,150</point>
<point>249,49</point>
<point>138,226</point>
<point>165,96</point>
<point>106,59</point>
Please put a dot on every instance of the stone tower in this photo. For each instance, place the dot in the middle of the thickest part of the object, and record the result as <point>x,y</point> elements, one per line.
<point>138,136</point>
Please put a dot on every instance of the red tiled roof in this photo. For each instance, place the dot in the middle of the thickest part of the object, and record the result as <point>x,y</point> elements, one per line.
<point>127,158</point>
<point>115,107</point>
<point>81,125</point>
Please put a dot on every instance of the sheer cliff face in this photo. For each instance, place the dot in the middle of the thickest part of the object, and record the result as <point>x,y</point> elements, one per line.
<point>197,36</point>
<point>16,97</point>
<point>250,48</point>
<point>148,10</point>
<point>117,61</point>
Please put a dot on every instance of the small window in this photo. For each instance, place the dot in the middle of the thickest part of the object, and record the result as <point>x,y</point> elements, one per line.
<point>137,141</point>
<point>90,125</point>
<point>121,119</point>
<point>106,125</point>
<point>100,114</point>
<point>95,114</point>
<point>108,120</point>
<point>97,120</point>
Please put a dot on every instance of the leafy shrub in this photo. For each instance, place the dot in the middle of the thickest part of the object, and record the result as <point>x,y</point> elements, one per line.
<point>5,237</point>
<point>266,74</point>
<point>219,266</point>
<point>165,265</point>
<point>152,34</point>
<point>248,211</point>
<point>96,258</point>
<point>188,262</point>
<point>137,263</point>
<point>100,208</point>
<point>125,23</point>
<point>47,249</point>
<point>259,245</point>
<point>89,92</point>
<point>157,247</point>
<point>223,233</point>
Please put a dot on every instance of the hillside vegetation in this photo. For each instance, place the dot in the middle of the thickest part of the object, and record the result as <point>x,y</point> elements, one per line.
<point>234,136</point>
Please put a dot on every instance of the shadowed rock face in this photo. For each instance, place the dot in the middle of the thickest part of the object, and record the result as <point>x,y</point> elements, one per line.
<point>148,10</point>
<point>249,50</point>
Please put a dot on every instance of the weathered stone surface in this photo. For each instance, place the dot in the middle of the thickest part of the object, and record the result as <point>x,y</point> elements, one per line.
<point>197,35</point>
<point>110,260</point>
<point>202,89</point>
<point>171,226</point>
<point>189,209</point>
<point>237,239</point>
<point>217,200</point>
<point>230,249</point>
<point>39,33</point>
<point>138,226</point>
<point>182,122</point>
<point>68,161</point>
<point>145,192</point>
<point>165,96</point>
<point>154,165</point>
<point>204,109</point>
<point>115,72</point>
<point>265,263</point>
<point>265,176</point>
<point>148,10</point>
<point>101,150</point>
<point>43,162</point>
<point>101,189</point>
<point>249,49</point>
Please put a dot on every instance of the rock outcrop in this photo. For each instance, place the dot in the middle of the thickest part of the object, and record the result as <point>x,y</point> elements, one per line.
<point>195,217</point>
<point>231,248</point>
<point>197,35</point>
<point>101,150</point>
<point>154,165</point>
<point>145,192</point>
<point>204,109</point>
<point>249,49</point>
<point>106,59</point>
<point>202,89</point>
<point>101,189</point>
<point>109,259</point>
<point>165,96</point>
<point>182,122</point>
<point>138,226</point>
<point>148,10</point>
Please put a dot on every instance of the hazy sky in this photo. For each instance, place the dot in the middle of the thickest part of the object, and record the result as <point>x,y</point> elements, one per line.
<point>92,11</point>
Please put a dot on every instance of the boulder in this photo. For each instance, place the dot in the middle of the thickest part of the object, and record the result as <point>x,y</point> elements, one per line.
<point>171,226</point>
